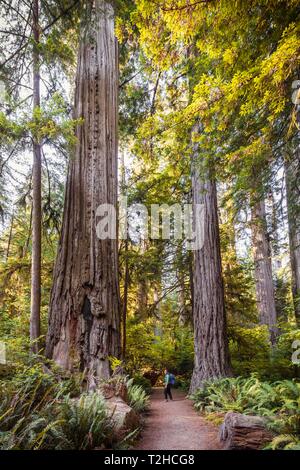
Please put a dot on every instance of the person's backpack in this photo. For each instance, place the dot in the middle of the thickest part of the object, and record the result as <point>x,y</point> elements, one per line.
<point>172,379</point>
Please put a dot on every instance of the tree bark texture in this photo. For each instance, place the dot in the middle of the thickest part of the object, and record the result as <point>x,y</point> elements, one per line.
<point>84,319</point>
<point>210,333</point>
<point>125,302</point>
<point>292,175</point>
<point>244,432</point>
<point>142,289</point>
<point>265,295</point>
<point>36,196</point>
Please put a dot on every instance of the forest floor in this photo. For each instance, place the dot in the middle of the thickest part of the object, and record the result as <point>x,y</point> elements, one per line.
<point>175,425</point>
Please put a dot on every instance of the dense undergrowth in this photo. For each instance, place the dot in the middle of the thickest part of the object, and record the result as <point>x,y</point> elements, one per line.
<point>278,402</point>
<point>42,410</point>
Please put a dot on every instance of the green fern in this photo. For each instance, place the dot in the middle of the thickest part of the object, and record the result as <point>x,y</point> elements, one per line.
<point>279,402</point>
<point>86,423</point>
<point>137,397</point>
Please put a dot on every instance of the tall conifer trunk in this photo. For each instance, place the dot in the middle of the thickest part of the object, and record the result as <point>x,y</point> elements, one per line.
<point>292,176</point>
<point>84,319</point>
<point>210,334</point>
<point>265,295</point>
<point>36,195</point>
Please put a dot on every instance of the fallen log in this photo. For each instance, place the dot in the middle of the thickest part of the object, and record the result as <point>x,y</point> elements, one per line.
<point>243,432</point>
<point>124,418</point>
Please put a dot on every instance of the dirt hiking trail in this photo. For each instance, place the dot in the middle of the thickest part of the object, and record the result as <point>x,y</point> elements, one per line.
<point>175,425</point>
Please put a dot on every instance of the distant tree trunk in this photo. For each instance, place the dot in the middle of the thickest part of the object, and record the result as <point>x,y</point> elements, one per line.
<point>292,175</point>
<point>183,314</point>
<point>25,248</point>
<point>142,298</point>
<point>265,295</point>
<point>281,285</point>
<point>158,318</point>
<point>210,336</point>
<point>191,278</point>
<point>275,217</point>
<point>84,317</point>
<point>36,195</point>
<point>142,290</point>
<point>10,235</point>
<point>125,302</point>
<point>123,191</point>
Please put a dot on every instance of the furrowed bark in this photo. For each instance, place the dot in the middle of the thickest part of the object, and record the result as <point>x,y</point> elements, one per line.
<point>265,295</point>
<point>211,359</point>
<point>36,196</point>
<point>84,317</point>
<point>292,175</point>
<point>125,302</point>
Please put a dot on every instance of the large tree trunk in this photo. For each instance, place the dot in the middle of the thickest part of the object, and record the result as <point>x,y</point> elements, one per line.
<point>292,175</point>
<point>210,336</point>
<point>265,296</point>
<point>84,321</point>
<point>36,196</point>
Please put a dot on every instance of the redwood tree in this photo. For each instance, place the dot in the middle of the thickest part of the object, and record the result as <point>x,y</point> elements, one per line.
<point>211,359</point>
<point>292,174</point>
<point>84,318</point>
<point>36,194</point>
<point>263,269</point>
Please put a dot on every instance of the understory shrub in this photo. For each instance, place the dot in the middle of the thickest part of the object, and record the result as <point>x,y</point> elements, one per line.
<point>138,399</point>
<point>251,353</point>
<point>39,410</point>
<point>43,409</point>
<point>279,402</point>
<point>143,382</point>
<point>80,424</point>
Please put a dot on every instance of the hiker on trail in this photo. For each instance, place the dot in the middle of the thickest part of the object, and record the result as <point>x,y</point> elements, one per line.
<point>169,381</point>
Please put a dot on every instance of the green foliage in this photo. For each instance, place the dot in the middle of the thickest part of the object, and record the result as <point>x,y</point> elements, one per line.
<point>115,363</point>
<point>279,402</point>
<point>69,423</point>
<point>137,396</point>
<point>52,121</point>
<point>250,352</point>
<point>40,409</point>
<point>29,409</point>
<point>243,395</point>
<point>286,423</point>
<point>85,423</point>
<point>165,344</point>
<point>30,389</point>
<point>10,130</point>
<point>182,382</point>
<point>43,409</point>
<point>143,382</point>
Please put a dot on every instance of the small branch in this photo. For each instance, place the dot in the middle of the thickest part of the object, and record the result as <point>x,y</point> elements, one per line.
<point>23,36</point>
<point>152,109</point>
<point>7,159</point>
<point>62,14</point>
<point>130,78</point>
<point>23,46</point>
<point>182,7</point>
